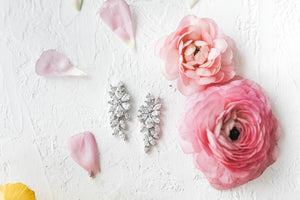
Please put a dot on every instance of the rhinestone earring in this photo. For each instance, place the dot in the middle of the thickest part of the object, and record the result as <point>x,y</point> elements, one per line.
<point>148,115</point>
<point>120,106</point>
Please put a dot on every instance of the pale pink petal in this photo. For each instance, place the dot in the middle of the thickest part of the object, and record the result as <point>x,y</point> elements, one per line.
<point>191,74</point>
<point>219,77</point>
<point>213,53</point>
<point>116,14</point>
<point>206,80</point>
<point>171,68</point>
<point>83,150</point>
<point>188,86</point>
<point>187,21</point>
<point>53,63</point>
<point>227,57</point>
<point>189,143</point>
<point>161,49</point>
<point>213,27</point>
<point>203,72</point>
<point>189,65</point>
<point>200,43</point>
<point>220,44</point>
<point>229,73</point>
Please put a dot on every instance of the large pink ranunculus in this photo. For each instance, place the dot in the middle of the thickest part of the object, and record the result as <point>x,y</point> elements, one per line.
<point>198,54</point>
<point>231,132</point>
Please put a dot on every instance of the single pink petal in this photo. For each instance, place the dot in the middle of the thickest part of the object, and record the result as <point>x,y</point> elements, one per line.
<point>171,68</point>
<point>220,44</point>
<point>213,53</point>
<point>161,49</point>
<point>116,14</point>
<point>203,72</point>
<point>206,80</point>
<point>189,65</point>
<point>189,143</point>
<point>188,86</point>
<point>53,63</point>
<point>83,149</point>
<point>191,74</point>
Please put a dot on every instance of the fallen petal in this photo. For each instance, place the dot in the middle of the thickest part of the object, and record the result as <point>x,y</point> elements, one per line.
<point>53,63</point>
<point>193,3</point>
<point>16,191</point>
<point>77,4</point>
<point>116,14</point>
<point>83,150</point>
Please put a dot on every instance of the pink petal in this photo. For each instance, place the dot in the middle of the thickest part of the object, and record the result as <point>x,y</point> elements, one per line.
<point>161,49</point>
<point>189,143</point>
<point>191,74</point>
<point>171,68</point>
<point>188,86</point>
<point>116,14</point>
<point>213,53</point>
<point>83,149</point>
<point>206,80</point>
<point>53,63</point>
<point>220,44</point>
<point>227,57</point>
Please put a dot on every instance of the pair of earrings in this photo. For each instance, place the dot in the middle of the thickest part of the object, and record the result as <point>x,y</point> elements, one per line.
<point>148,115</point>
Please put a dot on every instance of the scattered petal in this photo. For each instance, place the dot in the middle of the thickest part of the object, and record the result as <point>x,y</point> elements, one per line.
<point>53,63</point>
<point>17,191</point>
<point>83,150</point>
<point>193,3</point>
<point>77,4</point>
<point>116,14</point>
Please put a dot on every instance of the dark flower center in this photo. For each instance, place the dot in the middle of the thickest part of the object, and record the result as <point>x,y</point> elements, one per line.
<point>196,51</point>
<point>234,134</point>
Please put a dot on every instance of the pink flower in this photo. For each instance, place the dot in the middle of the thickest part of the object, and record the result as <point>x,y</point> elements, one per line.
<point>231,132</point>
<point>198,54</point>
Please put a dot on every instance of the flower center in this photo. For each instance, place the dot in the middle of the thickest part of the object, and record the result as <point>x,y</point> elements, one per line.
<point>234,134</point>
<point>196,53</point>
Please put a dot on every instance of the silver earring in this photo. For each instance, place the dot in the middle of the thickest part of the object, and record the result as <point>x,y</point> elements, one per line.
<point>148,115</point>
<point>120,106</point>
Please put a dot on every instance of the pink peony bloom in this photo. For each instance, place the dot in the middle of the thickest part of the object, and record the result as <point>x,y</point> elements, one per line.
<point>231,132</point>
<point>198,54</point>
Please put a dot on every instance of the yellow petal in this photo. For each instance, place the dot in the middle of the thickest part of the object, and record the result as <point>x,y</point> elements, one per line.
<point>17,191</point>
<point>1,196</point>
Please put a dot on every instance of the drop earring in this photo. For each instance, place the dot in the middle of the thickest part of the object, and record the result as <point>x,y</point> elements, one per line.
<point>148,115</point>
<point>120,106</point>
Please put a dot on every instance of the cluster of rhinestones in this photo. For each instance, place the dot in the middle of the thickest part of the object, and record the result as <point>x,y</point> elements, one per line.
<point>148,116</point>
<point>119,109</point>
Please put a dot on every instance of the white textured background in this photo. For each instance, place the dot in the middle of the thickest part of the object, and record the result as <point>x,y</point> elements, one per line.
<point>38,114</point>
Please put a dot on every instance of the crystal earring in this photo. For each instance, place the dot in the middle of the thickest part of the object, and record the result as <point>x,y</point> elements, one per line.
<point>120,106</point>
<point>148,115</point>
